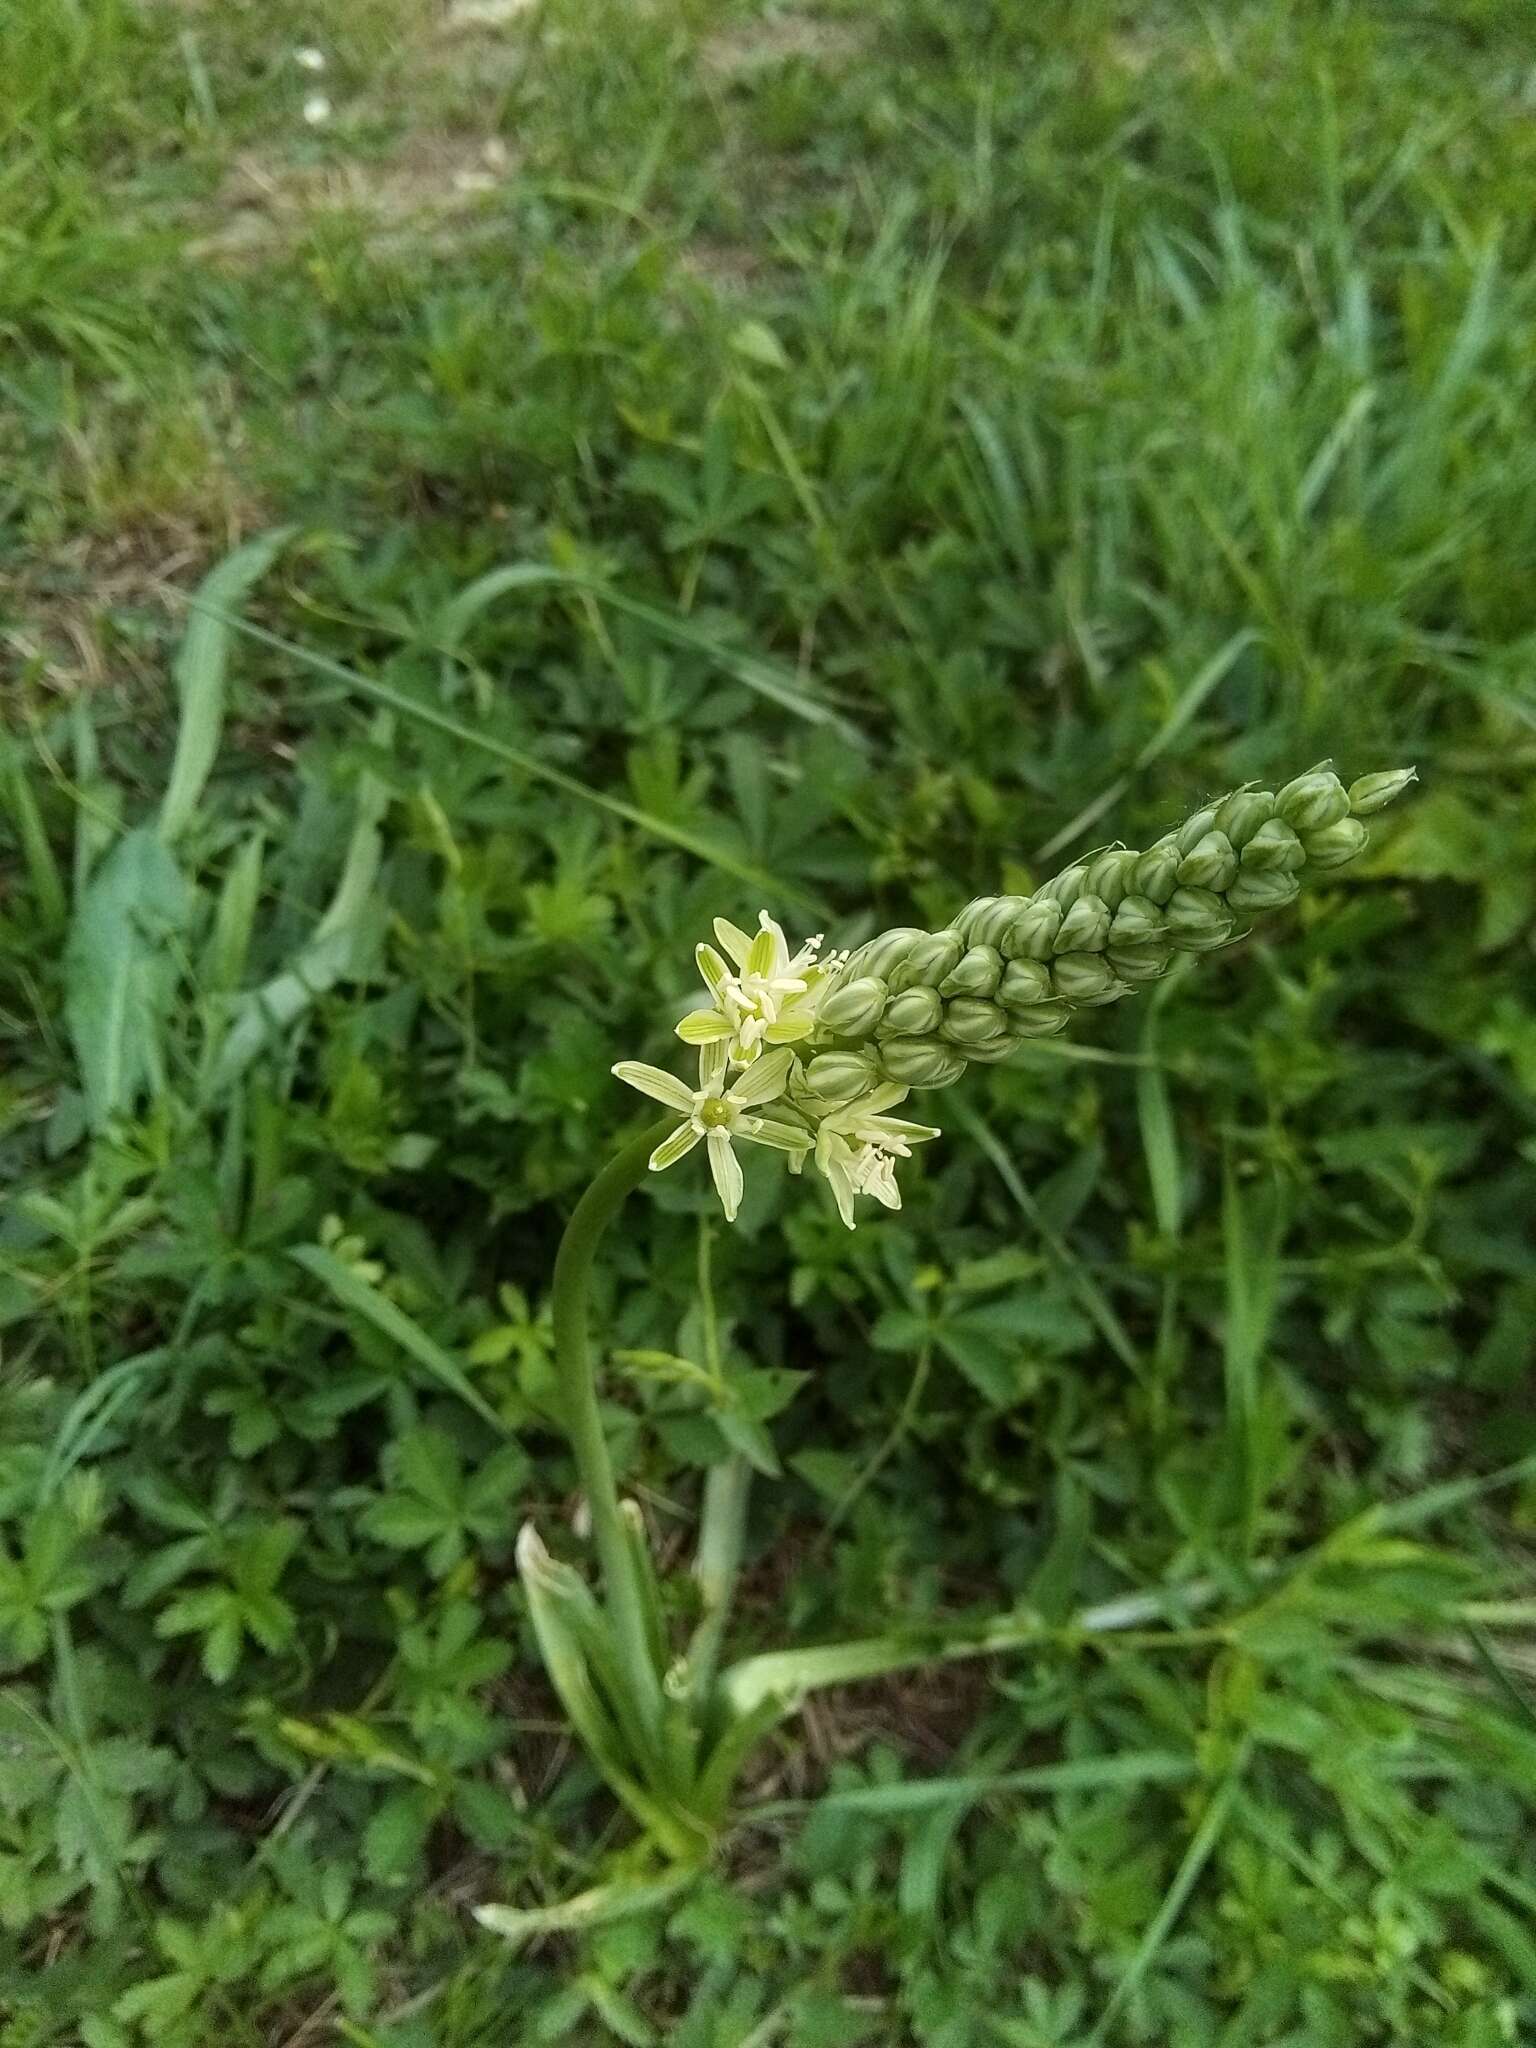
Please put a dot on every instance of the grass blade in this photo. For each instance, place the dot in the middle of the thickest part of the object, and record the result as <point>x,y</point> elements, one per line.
<point>202,663</point>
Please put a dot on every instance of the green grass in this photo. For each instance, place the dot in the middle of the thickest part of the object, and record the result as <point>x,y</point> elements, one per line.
<point>931,440</point>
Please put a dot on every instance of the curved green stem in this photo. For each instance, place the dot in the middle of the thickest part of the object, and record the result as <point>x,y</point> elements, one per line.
<point>578,1388</point>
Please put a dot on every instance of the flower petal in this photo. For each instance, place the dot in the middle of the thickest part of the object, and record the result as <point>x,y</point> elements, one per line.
<point>712,967</point>
<point>653,1082</point>
<point>765,1130</point>
<point>769,953</point>
<point>726,1168</point>
<point>763,1080</point>
<point>700,1026</point>
<point>712,1064</point>
<point>785,1030</point>
<point>677,1146</point>
<point>735,941</point>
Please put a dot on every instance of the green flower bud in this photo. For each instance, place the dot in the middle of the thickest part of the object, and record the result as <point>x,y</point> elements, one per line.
<point>852,1010</point>
<point>1374,792</point>
<point>1243,813</point>
<point>912,1014</point>
<point>1194,829</point>
<point>921,1062</point>
<point>1330,846</point>
<point>1110,875</point>
<point>1313,801</point>
<point>978,973</point>
<point>1024,982</point>
<point>1198,920</point>
<point>1263,889</point>
<point>988,918</point>
<point>842,1076</point>
<point>995,1052</point>
<point>1086,979</point>
<point>1085,928</point>
<point>1066,888</point>
<point>971,1020</point>
<point>1274,849</point>
<point>1044,1020</point>
<point>1211,863</point>
<point>1143,961</point>
<point>927,961</point>
<point>1137,918</point>
<point>1157,872</point>
<point>880,955</point>
<point>1032,932</point>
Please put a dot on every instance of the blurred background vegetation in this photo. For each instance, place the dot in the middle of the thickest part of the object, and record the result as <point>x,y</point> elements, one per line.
<point>930,439</point>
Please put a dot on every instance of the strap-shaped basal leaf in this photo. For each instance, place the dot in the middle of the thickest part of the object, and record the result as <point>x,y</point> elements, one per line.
<point>202,663</point>
<point>119,971</point>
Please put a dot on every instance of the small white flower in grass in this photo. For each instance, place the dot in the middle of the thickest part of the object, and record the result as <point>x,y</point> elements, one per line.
<point>766,996</point>
<point>308,58</point>
<point>317,110</point>
<point>719,1114</point>
<point>857,1148</point>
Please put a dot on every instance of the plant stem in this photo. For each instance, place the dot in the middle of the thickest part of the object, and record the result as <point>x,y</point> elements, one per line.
<point>578,1390</point>
<point>722,1533</point>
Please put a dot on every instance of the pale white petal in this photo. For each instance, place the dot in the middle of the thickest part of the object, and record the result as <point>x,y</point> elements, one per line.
<point>652,1081</point>
<point>726,1168</point>
<point>712,967</point>
<point>699,1027</point>
<point>763,1080</point>
<point>786,1030</point>
<point>712,1064</point>
<point>735,941</point>
<point>769,952</point>
<point>678,1146</point>
<point>765,1130</point>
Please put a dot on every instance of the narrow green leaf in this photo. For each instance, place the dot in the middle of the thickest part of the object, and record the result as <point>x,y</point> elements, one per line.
<point>363,1297</point>
<point>202,662</point>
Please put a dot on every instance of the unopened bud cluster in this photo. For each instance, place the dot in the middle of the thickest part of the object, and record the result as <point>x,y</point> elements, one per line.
<point>917,1007</point>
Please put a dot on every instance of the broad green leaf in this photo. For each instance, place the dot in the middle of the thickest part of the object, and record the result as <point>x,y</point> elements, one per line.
<point>120,969</point>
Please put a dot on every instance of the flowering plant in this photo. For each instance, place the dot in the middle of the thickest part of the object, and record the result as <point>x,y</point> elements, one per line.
<point>809,1053</point>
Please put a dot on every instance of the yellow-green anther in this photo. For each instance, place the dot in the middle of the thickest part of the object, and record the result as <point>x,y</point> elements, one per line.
<point>1024,982</point>
<point>1259,889</point>
<point>978,973</point>
<point>1274,848</point>
<point>1211,863</point>
<point>1044,1020</point>
<point>1243,813</point>
<point>1157,872</point>
<point>853,1009</point>
<point>1330,846</point>
<point>1373,793</point>
<point>1086,979</point>
<point>921,1062</point>
<point>972,1020</point>
<point>842,1076</point>
<point>1032,932</point>
<point>913,1014</point>
<point>1085,928</point>
<point>1111,874</point>
<point>1313,801</point>
<point>927,961</point>
<point>1194,829</point>
<point>1198,920</point>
